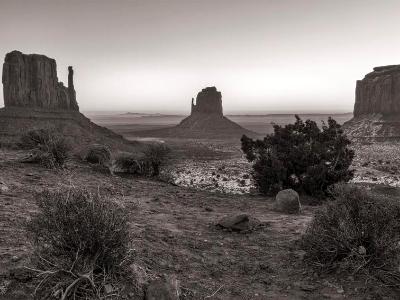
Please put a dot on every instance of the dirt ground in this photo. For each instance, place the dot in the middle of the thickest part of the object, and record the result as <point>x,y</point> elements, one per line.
<point>173,232</point>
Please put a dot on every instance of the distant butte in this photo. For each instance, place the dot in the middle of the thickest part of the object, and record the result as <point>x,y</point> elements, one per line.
<point>205,121</point>
<point>377,105</point>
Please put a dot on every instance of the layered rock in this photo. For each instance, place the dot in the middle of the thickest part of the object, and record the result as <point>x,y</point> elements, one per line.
<point>31,81</point>
<point>35,99</point>
<point>208,101</point>
<point>379,92</point>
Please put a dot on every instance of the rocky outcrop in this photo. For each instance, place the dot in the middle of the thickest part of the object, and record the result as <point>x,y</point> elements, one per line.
<point>34,99</point>
<point>208,101</point>
<point>205,121</point>
<point>31,81</point>
<point>379,92</point>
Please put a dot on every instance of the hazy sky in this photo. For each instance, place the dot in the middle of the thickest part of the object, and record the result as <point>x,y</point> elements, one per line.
<point>265,56</point>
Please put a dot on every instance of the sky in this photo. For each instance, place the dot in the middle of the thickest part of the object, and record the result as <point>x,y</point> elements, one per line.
<point>265,56</point>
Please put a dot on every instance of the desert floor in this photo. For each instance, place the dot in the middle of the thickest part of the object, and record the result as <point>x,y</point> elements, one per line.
<point>174,233</point>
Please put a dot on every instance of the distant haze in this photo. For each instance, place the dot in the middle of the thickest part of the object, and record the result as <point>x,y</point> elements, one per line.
<point>154,56</point>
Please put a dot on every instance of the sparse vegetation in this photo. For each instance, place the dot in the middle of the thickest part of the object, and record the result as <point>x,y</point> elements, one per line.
<point>148,163</point>
<point>81,241</point>
<point>300,156</point>
<point>98,154</point>
<point>155,156</point>
<point>358,232</point>
<point>48,147</point>
<point>128,163</point>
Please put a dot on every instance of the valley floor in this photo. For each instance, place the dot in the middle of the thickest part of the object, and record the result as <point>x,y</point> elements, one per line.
<point>173,232</point>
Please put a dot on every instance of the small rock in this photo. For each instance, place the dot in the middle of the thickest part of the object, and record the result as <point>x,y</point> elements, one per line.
<point>163,289</point>
<point>108,288</point>
<point>308,287</point>
<point>240,222</point>
<point>3,188</point>
<point>362,250</point>
<point>15,258</point>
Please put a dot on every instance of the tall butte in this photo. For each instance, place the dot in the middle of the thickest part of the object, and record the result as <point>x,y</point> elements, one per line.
<point>206,120</point>
<point>31,81</point>
<point>34,98</point>
<point>377,105</point>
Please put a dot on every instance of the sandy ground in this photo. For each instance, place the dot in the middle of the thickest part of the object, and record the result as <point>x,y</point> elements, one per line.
<point>174,233</point>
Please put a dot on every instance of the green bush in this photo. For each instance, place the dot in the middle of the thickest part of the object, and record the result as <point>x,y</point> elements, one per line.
<point>300,156</point>
<point>48,147</point>
<point>82,241</point>
<point>359,231</point>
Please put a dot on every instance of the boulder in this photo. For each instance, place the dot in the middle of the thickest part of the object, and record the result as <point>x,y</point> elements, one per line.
<point>287,201</point>
<point>163,289</point>
<point>238,222</point>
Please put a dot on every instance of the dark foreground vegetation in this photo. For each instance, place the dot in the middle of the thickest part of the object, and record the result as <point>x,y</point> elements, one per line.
<point>300,156</point>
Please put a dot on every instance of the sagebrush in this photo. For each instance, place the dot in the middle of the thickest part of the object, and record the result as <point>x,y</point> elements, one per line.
<point>147,163</point>
<point>81,240</point>
<point>47,146</point>
<point>357,232</point>
<point>300,156</point>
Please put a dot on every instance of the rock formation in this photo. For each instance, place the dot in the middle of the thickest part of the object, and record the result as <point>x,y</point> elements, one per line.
<point>208,101</point>
<point>377,105</point>
<point>31,81</point>
<point>205,121</point>
<point>33,99</point>
<point>379,92</point>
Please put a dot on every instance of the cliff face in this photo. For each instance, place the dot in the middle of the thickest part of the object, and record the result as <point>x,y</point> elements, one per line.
<point>208,101</point>
<point>379,92</point>
<point>31,81</point>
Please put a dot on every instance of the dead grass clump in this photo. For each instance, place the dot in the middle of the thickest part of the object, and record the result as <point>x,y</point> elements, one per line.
<point>358,232</point>
<point>48,147</point>
<point>81,241</point>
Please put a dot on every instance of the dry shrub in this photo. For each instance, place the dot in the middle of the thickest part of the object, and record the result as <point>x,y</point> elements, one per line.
<point>128,163</point>
<point>48,147</point>
<point>98,154</point>
<point>155,156</point>
<point>358,232</point>
<point>147,163</point>
<point>81,241</point>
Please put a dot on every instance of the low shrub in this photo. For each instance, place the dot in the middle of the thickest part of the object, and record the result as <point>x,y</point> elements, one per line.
<point>98,154</point>
<point>357,232</point>
<point>147,163</point>
<point>128,163</point>
<point>48,147</point>
<point>81,240</point>
<point>155,156</point>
